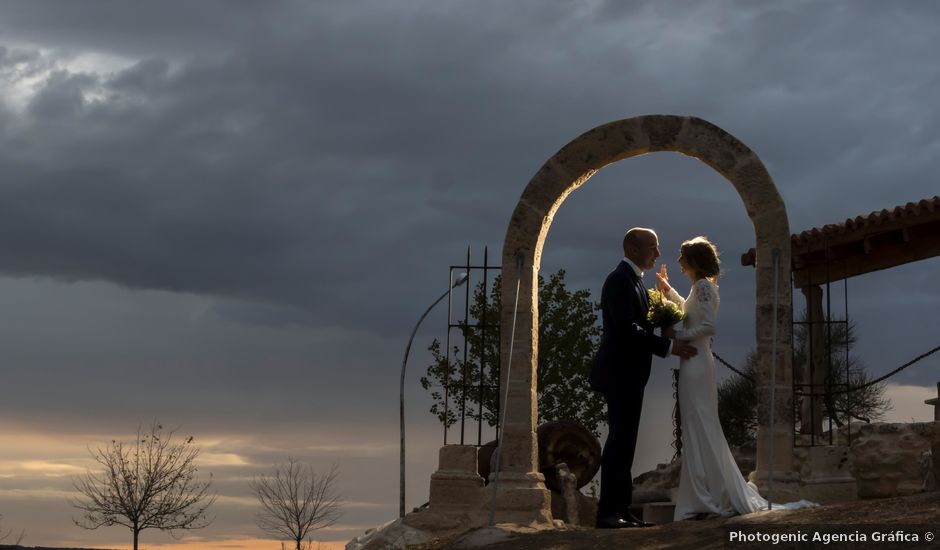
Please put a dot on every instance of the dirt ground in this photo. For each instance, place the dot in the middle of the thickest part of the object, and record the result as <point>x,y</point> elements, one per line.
<point>922,509</point>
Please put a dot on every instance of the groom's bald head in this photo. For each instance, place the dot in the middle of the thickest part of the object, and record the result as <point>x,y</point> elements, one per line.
<point>638,236</point>
<point>641,246</point>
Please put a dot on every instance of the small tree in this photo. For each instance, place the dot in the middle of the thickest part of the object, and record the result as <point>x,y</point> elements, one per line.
<point>737,395</point>
<point>148,483</point>
<point>867,404</point>
<point>3,535</point>
<point>569,335</point>
<point>296,501</point>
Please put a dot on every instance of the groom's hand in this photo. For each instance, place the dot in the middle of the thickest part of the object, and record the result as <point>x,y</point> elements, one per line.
<point>683,350</point>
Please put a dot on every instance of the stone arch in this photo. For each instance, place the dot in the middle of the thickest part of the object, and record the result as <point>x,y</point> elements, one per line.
<point>522,493</point>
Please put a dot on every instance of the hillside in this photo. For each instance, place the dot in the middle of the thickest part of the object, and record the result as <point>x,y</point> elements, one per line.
<point>922,510</point>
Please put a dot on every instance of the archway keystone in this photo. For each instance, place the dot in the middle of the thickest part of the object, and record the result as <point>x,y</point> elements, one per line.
<point>522,495</point>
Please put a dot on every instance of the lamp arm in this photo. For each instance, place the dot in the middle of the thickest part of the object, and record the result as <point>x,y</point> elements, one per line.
<point>401,503</point>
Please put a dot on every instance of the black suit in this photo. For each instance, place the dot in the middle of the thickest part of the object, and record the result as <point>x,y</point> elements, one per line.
<point>621,370</point>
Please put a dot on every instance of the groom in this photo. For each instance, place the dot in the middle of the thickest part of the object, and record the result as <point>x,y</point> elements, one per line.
<point>621,370</point>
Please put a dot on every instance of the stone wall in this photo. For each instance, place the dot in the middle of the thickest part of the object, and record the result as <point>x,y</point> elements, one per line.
<point>885,460</point>
<point>888,460</point>
<point>825,473</point>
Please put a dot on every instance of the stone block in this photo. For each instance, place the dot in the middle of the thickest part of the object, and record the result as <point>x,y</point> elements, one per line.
<point>888,459</point>
<point>519,454</point>
<point>713,146</point>
<point>456,485</point>
<point>782,413</point>
<point>662,130</point>
<point>765,329</point>
<point>659,512</point>
<point>605,144</point>
<point>457,458</point>
<point>524,506</point>
<point>553,182</point>
<point>825,472</point>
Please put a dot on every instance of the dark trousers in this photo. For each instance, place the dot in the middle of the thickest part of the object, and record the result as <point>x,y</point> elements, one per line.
<point>623,422</point>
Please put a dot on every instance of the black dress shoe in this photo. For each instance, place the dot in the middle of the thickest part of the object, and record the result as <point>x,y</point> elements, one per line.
<point>637,522</point>
<point>613,522</point>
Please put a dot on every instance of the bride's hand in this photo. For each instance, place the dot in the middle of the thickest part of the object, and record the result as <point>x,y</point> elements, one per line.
<point>663,280</point>
<point>668,332</point>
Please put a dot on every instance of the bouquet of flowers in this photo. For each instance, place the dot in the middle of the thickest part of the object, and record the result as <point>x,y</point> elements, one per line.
<point>663,312</point>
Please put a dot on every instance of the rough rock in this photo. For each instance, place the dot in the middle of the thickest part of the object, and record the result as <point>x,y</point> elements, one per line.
<point>888,459</point>
<point>393,534</point>
<point>656,485</point>
<point>486,536</point>
<point>659,485</point>
<point>586,509</point>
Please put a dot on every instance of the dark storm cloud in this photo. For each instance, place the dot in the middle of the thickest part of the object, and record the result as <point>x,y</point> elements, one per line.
<point>63,95</point>
<point>173,27</point>
<point>304,156</point>
<point>251,177</point>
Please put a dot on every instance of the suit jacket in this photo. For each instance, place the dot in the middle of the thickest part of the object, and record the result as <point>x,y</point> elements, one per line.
<point>628,342</point>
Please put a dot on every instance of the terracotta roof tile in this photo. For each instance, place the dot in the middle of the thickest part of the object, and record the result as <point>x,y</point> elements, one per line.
<point>871,221</point>
<point>862,226</point>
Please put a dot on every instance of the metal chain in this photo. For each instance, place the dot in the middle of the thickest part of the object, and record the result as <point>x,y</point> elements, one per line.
<point>676,418</point>
<point>727,364</point>
<point>892,373</point>
<point>863,386</point>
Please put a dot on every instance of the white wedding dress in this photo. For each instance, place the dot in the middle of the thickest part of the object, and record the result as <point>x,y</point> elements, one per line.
<point>710,481</point>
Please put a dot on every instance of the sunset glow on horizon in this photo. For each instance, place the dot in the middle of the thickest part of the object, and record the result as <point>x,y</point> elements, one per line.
<point>225,544</point>
<point>37,471</point>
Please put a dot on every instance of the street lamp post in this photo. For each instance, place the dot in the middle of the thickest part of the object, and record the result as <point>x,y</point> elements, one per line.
<point>461,279</point>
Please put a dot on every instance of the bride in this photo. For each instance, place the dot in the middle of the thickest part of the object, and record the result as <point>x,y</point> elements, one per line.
<point>710,483</point>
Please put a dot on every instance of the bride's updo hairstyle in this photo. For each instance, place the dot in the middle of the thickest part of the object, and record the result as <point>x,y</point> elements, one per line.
<point>702,257</point>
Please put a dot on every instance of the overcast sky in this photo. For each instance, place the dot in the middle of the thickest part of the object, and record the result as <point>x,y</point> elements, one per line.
<point>228,216</point>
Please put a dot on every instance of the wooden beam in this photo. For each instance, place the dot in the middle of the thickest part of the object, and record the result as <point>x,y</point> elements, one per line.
<point>872,251</point>
<point>875,253</point>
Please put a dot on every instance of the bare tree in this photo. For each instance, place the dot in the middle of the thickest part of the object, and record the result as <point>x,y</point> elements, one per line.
<point>296,501</point>
<point>148,483</point>
<point>19,538</point>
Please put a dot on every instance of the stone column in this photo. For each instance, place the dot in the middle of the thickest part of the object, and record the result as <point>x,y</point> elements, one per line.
<point>521,496</point>
<point>774,435</point>
<point>817,367</point>
<point>935,402</point>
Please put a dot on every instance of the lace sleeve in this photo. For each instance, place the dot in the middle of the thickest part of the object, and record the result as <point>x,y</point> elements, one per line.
<point>706,292</point>
<point>707,296</point>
